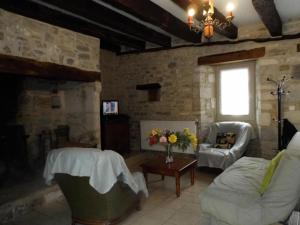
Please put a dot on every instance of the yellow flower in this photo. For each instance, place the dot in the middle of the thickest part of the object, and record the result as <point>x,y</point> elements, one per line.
<point>172,138</point>
<point>186,131</point>
<point>193,140</point>
<point>153,132</point>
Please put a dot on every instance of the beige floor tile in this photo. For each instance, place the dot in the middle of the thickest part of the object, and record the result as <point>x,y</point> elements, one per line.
<point>161,214</point>
<point>191,208</point>
<point>54,208</point>
<point>181,217</point>
<point>161,208</point>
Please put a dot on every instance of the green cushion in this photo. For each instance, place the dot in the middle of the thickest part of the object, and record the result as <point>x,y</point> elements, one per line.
<point>270,171</point>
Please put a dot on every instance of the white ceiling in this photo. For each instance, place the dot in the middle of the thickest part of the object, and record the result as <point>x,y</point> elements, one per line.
<point>244,12</point>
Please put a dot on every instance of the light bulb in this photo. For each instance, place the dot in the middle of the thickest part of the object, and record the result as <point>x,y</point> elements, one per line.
<point>191,12</point>
<point>230,7</point>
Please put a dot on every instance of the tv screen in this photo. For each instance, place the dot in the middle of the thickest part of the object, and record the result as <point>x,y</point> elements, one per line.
<point>110,107</point>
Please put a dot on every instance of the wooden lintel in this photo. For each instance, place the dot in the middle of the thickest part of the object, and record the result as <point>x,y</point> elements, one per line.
<point>46,70</point>
<point>152,86</point>
<point>268,13</point>
<point>232,56</point>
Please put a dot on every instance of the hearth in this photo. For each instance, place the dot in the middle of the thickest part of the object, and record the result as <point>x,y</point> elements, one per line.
<point>13,151</point>
<point>13,144</point>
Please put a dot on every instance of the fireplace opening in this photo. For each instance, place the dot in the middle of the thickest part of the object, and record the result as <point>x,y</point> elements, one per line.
<point>14,166</point>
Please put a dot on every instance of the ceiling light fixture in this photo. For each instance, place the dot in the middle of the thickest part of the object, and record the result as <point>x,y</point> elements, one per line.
<point>207,23</point>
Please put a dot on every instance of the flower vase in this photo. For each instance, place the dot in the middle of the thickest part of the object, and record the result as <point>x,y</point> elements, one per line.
<point>169,157</point>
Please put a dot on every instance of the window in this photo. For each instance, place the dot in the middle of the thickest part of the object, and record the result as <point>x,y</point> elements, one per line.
<point>236,91</point>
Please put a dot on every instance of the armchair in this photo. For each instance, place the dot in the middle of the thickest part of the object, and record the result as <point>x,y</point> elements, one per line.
<point>210,156</point>
<point>97,184</point>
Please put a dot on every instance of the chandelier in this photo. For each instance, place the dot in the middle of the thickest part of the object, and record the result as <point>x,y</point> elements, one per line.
<point>207,24</point>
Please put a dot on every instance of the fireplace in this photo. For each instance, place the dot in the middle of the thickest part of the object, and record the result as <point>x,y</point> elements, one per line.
<point>13,146</point>
<point>33,108</point>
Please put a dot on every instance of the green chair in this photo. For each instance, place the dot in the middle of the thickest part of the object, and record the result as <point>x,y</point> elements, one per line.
<point>89,207</point>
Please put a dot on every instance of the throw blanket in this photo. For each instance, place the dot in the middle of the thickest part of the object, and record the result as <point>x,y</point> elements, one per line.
<point>104,168</point>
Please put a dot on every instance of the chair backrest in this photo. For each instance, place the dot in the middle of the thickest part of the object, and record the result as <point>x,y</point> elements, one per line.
<point>88,204</point>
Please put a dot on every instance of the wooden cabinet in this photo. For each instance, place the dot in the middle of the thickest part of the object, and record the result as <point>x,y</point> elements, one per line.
<point>115,133</point>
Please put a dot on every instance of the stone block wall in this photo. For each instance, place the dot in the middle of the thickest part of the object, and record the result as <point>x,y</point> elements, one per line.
<point>28,38</point>
<point>187,91</point>
<point>80,108</point>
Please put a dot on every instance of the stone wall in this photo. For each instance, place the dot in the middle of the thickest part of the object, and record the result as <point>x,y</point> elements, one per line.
<point>187,91</point>
<point>28,38</point>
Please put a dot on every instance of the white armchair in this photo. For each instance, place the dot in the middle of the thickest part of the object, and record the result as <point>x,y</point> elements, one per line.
<point>210,156</point>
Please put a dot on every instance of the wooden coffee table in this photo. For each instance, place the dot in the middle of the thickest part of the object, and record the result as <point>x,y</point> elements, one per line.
<point>179,167</point>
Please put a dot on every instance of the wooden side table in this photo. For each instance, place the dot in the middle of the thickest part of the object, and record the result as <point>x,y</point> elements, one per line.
<point>176,169</point>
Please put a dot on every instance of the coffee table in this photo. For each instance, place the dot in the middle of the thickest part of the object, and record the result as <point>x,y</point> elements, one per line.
<point>176,169</point>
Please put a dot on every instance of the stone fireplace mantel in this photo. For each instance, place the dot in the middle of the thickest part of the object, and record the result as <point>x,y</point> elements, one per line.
<point>47,70</point>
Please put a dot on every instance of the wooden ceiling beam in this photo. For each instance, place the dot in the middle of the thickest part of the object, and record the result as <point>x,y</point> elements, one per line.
<point>100,14</point>
<point>45,70</point>
<point>152,13</point>
<point>61,19</point>
<point>269,15</point>
<point>229,32</point>
<point>110,47</point>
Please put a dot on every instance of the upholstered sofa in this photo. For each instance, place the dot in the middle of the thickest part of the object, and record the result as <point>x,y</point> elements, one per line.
<point>209,156</point>
<point>234,198</point>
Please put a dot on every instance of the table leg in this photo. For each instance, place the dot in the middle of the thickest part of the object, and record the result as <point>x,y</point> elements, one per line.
<point>162,177</point>
<point>177,177</point>
<point>193,175</point>
<point>146,177</point>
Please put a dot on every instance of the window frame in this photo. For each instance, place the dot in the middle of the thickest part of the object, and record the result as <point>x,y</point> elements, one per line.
<point>252,95</point>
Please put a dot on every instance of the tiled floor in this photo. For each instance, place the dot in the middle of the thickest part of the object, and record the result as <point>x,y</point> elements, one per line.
<point>161,208</point>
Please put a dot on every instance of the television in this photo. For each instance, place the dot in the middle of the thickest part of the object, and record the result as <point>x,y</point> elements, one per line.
<point>110,107</point>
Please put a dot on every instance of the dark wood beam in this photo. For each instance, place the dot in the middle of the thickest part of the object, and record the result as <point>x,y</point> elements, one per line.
<point>229,32</point>
<point>29,67</point>
<point>62,19</point>
<point>216,43</point>
<point>232,56</point>
<point>103,15</point>
<point>110,47</point>
<point>152,13</point>
<point>268,13</point>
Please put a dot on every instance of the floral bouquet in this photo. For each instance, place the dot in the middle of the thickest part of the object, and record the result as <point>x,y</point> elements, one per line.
<point>181,139</point>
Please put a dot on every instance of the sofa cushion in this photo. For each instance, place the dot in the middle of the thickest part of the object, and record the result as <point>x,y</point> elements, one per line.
<point>282,195</point>
<point>225,140</point>
<point>245,175</point>
<point>270,171</point>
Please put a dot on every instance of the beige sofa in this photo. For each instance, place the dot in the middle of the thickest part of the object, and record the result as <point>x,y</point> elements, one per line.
<point>234,199</point>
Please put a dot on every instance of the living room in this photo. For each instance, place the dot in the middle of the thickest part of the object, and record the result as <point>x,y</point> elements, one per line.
<point>157,72</point>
